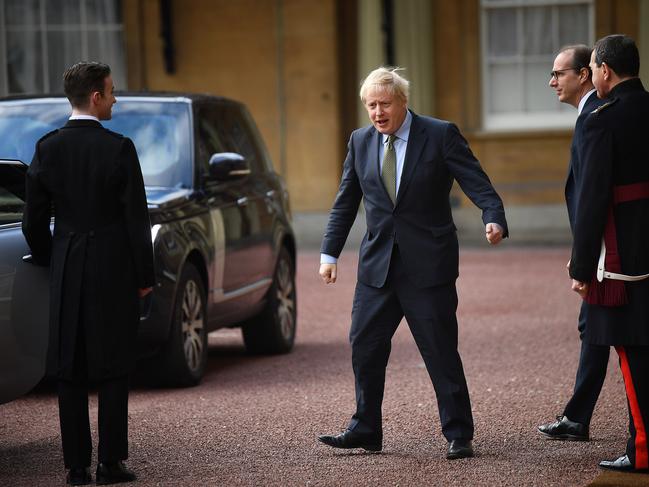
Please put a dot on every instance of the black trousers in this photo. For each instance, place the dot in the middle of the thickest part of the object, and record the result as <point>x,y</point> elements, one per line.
<point>75,422</point>
<point>430,313</point>
<point>634,363</point>
<point>591,372</point>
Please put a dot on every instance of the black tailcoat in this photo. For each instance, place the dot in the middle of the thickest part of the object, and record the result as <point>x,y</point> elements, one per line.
<point>616,152</point>
<point>421,221</point>
<point>101,250</point>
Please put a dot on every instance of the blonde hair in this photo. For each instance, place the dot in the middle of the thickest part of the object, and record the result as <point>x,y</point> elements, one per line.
<point>386,80</point>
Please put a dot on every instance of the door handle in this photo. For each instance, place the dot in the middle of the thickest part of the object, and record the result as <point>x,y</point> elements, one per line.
<point>242,201</point>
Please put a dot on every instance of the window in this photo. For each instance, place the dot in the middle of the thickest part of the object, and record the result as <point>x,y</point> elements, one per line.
<point>12,193</point>
<point>520,39</point>
<point>40,38</point>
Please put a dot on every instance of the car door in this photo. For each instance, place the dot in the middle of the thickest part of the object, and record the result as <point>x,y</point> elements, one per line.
<point>24,294</point>
<point>227,204</point>
<point>255,193</point>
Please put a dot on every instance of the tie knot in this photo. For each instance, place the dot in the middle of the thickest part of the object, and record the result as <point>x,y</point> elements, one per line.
<point>391,139</point>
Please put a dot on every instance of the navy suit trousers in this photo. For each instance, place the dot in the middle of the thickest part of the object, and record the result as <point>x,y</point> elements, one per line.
<point>591,372</point>
<point>430,313</point>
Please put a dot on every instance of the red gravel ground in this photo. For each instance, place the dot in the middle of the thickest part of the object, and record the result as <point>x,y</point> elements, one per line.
<point>254,420</point>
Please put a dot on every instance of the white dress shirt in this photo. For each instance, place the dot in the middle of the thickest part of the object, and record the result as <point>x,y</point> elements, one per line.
<point>582,102</point>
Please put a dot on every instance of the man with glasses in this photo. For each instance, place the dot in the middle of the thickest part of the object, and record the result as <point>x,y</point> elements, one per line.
<point>572,80</point>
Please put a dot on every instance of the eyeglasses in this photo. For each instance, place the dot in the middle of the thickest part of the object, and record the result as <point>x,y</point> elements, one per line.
<point>555,74</point>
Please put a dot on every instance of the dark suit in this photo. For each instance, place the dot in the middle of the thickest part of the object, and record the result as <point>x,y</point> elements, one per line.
<point>616,155</point>
<point>408,262</point>
<point>593,359</point>
<point>99,255</point>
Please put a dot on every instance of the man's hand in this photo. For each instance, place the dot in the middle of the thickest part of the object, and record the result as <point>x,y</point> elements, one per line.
<point>494,233</point>
<point>143,292</point>
<point>580,288</point>
<point>328,273</point>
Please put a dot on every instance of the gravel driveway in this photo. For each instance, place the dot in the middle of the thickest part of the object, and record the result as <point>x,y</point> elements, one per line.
<point>254,420</point>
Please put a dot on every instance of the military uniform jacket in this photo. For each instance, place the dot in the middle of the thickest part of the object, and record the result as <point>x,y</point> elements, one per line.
<point>616,153</point>
<point>420,222</point>
<point>100,252</point>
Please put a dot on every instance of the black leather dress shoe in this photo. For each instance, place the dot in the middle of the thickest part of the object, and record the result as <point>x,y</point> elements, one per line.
<point>459,449</point>
<point>79,476</point>
<point>622,464</point>
<point>113,473</point>
<point>349,439</point>
<point>564,429</point>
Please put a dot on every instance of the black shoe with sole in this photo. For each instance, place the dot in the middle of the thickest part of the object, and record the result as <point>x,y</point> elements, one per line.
<point>564,429</point>
<point>459,449</point>
<point>622,464</point>
<point>79,476</point>
<point>113,473</point>
<point>350,439</point>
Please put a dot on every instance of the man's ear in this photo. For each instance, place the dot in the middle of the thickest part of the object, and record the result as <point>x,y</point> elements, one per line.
<point>606,71</point>
<point>95,97</point>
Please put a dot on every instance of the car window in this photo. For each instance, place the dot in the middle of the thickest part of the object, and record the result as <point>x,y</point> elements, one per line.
<point>12,191</point>
<point>160,131</point>
<point>209,139</point>
<point>11,207</point>
<point>237,137</point>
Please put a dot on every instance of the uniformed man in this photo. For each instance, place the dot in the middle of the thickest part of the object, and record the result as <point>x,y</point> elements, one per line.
<point>610,254</point>
<point>101,262</point>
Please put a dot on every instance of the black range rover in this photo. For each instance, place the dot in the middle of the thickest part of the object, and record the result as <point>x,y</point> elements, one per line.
<point>220,223</point>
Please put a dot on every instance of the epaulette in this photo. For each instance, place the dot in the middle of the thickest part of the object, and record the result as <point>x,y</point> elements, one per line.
<point>604,106</point>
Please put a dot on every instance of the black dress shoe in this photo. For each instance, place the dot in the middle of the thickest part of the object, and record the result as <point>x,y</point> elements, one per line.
<point>349,439</point>
<point>79,476</point>
<point>622,464</point>
<point>113,473</point>
<point>564,429</point>
<point>459,449</point>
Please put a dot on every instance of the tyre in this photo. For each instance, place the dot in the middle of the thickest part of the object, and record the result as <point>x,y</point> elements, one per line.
<point>273,330</point>
<point>185,354</point>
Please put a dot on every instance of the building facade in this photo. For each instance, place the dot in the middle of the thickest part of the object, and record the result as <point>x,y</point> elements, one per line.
<point>297,64</point>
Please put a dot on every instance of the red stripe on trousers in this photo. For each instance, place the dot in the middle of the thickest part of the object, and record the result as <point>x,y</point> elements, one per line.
<point>641,454</point>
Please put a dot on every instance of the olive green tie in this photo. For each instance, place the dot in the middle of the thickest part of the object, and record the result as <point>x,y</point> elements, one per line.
<point>389,169</point>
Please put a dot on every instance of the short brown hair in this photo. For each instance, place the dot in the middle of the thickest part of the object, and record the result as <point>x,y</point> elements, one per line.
<point>580,57</point>
<point>82,79</point>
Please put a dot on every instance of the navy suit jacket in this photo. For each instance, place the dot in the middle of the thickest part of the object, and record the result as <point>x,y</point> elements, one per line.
<point>573,187</point>
<point>420,221</point>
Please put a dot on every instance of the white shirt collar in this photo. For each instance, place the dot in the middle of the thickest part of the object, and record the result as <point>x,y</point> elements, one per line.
<point>81,116</point>
<point>404,131</point>
<point>582,102</point>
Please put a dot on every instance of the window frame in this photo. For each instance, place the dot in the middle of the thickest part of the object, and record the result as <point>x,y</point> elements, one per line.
<point>43,29</point>
<point>524,120</point>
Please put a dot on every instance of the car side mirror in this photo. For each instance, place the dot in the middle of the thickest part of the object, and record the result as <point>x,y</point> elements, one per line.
<point>226,166</point>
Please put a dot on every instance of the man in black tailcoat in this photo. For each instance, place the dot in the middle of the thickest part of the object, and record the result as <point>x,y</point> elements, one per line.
<point>101,264</point>
<point>610,254</point>
<point>403,167</point>
<point>572,80</point>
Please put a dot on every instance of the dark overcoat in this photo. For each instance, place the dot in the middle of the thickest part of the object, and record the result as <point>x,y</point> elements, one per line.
<point>100,253</point>
<point>573,186</point>
<point>420,221</point>
<point>616,152</point>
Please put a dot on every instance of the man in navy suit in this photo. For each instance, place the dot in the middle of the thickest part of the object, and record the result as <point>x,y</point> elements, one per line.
<point>571,78</point>
<point>403,166</point>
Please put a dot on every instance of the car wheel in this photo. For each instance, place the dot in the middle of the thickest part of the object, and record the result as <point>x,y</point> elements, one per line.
<point>273,330</point>
<point>185,353</point>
